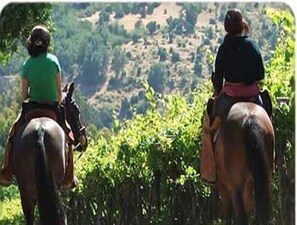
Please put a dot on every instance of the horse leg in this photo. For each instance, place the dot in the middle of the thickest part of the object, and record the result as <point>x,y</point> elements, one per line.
<point>28,206</point>
<point>226,204</point>
<point>238,207</point>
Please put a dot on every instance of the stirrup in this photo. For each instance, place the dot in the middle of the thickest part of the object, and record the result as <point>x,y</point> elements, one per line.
<point>3,181</point>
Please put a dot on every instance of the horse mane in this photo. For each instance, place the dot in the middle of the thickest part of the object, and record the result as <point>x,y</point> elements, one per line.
<point>49,202</point>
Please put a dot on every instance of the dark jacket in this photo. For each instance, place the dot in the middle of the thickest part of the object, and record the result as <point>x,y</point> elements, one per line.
<point>238,60</point>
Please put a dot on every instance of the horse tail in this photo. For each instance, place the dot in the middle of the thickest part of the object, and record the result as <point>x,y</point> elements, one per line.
<point>50,206</point>
<point>258,161</point>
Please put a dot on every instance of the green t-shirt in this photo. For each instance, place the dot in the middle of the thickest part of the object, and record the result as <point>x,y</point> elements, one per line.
<point>41,73</point>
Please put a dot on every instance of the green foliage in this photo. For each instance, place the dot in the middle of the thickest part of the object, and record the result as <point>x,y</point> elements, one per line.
<point>146,169</point>
<point>152,27</point>
<point>16,60</point>
<point>171,24</point>
<point>93,57</point>
<point>191,10</point>
<point>209,32</point>
<point>145,166</point>
<point>90,115</point>
<point>104,16</point>
<point>8,113</point>
<point>70,38</point>
<point>10,211</point>
<point>119,60</point>
<point>175,57</point>
<point>17,21</point>
<point>187,21</point>
<point>158,75</point>
<point>281,84</point>
<point>162,52</point>
<point>198,65</point>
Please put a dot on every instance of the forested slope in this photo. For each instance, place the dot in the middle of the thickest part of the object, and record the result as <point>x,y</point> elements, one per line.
<point>144,169</point>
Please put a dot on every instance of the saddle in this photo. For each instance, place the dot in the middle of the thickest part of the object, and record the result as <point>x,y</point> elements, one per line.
<point>36,113</point>
<point>263,99</point>
<point>54,111</point>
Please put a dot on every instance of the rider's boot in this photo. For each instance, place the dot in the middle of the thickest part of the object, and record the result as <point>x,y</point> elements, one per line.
<point>6,171</point>
<point>207,166</point>
<point>70,180</point>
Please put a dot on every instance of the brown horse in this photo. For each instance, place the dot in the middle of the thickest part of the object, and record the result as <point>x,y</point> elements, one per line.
<point>244,153</point>
<point>39,159</point>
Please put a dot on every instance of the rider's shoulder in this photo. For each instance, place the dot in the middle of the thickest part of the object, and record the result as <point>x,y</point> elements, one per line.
<point>250,41</point>
<point>51,57</point>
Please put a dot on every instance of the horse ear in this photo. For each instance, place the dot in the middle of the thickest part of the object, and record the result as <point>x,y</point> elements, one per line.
<point>65,88</point>
<point>71,89</point>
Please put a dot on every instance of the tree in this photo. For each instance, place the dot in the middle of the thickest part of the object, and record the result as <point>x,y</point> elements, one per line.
<point>171,24</point>
<point>104,16</point>
<point>192,11</point>
<point>198,65</point>
<point>118,61</point>
<point>135,37</point>
<point>93,59</point>
<point>157,76</point>
<point>17,21</point>
<point>209,32</point>
<point>152,27</point>
<point>143,12</point>
<point>179,26</point>
<point>162,52</point>
<point>175,57</point>
<point>170,36</point>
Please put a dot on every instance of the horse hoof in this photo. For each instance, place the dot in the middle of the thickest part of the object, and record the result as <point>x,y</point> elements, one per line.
<point>4,182</point>
<point>74,182</point>
<point>71,185</point>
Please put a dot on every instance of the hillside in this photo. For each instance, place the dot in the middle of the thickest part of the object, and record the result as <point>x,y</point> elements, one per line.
<point>145,170</point>
<point>145,51</point>
<point>7,83</point>
<point>111,49</point>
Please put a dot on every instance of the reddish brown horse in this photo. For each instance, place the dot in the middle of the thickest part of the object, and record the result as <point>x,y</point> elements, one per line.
<point>40,162</point>
<point>244,162</point>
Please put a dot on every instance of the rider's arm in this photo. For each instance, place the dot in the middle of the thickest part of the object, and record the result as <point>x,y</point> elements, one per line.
<point>25,89</point>
<point>59,87</point>
<point>259,63</point>
<point>219,70</point>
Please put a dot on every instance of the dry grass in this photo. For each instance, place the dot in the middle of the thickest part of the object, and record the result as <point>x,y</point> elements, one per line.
<point>128,21</point>
<point>146,56</point>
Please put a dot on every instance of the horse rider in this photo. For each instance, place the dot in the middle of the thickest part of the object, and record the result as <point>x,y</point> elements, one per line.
<point>238,70</point>
<point>41,87</point>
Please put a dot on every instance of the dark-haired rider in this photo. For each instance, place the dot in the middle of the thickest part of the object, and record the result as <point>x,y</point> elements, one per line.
<point>41,86</point>
<point>238,70</point>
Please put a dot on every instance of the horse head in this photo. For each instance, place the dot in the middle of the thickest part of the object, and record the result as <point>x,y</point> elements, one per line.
<point>73,118</point>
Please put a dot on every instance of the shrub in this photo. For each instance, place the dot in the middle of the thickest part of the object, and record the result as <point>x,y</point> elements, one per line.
<point>175,57</point>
